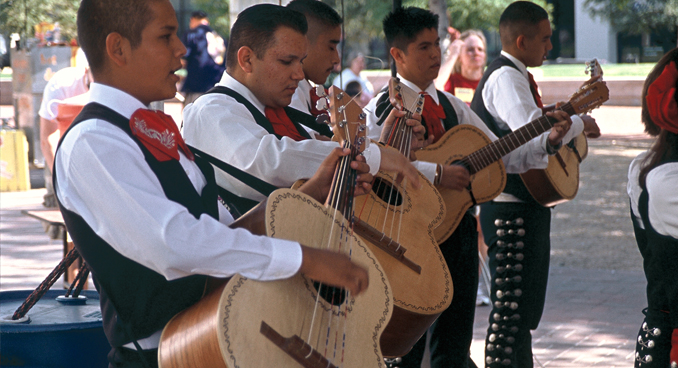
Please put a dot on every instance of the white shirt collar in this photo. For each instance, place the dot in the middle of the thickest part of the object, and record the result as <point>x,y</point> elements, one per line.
<point>518,63</point>
<point>232,83</point>
<point>431,89</point>
<point>119,101</point>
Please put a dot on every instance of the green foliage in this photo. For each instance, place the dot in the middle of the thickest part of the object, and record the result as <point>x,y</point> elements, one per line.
<point>20,16</point>
<point>480,14</point>
<point>637,16</point>
<point>217,11</point>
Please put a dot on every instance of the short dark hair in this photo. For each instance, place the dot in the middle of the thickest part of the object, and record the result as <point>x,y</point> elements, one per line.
<point>199,14</point>
<point>256,26</point>
<point>402,25</point>
<point>520,18</point>
<point>317,11</point>
<point>99,18</point>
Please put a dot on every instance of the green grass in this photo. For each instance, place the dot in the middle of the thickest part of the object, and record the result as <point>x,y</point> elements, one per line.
<point>609,70</point>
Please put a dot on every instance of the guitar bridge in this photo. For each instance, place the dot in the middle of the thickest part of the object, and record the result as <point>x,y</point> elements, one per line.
<point>296,348</point>
<point>388,245</point>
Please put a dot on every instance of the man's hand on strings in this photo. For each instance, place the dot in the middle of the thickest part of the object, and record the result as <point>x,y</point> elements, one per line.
<point>394,161</point>
<point>418,130</point>
<point>334,269</point>
<point>319,185</point>
<point>455,177</point>
<point>560,128</point>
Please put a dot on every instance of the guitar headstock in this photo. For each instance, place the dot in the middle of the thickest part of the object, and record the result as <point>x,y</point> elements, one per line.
<point>594,69</point>
<point>403,97</point>
<point>587,98</point>
<point>347,118</point>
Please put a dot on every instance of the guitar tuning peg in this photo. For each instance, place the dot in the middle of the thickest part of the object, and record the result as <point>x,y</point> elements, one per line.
<point>323,119</point>
<point>321,104</point>
<point>362,116</point>
<point>320,91</point>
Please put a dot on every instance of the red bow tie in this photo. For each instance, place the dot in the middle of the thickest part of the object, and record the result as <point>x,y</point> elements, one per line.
<point>159,134</point>
<point>535,90</point>
<point>282,125</point>
<point>432,115</point>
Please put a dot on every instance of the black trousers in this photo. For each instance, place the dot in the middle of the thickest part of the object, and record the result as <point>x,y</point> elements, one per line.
<point>452,332</point>
<point>518,239</point>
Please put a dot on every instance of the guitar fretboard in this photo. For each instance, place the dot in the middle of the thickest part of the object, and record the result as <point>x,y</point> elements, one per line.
<point>494,151</point>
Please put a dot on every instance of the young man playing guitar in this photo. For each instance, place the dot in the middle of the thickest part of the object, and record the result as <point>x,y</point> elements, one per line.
<point>248,123</point>
<point>143,211</point>
<point>506,99</point>
<point>414,45</point>
<point>324,35</point>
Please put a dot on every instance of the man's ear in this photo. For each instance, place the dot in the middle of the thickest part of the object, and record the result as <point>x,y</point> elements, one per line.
<point>397,54</point>
<point>245,58</point>
<point>520,42</point>
<point>117,48</point>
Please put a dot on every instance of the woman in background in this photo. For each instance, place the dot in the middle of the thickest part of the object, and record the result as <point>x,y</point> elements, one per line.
<point>467,58</point>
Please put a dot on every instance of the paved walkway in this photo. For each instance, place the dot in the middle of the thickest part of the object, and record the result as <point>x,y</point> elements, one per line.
<point>596,286</point>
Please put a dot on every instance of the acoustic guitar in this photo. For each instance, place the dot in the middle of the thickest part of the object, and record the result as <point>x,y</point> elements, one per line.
<point>398,222</point>
<point>559,182</point>
<point>294,322</point>
<point>468,146</point>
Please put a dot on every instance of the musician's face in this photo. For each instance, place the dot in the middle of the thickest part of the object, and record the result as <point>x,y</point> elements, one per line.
<point>322,55</point>
<point>538,45</point>
<point>154,61</point>
<point>420,63</point>
<point>274,77</point>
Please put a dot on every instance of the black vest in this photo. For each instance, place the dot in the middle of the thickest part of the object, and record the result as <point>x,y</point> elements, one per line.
<point>137,301</point>
<point>384,108</point>
<point>514,184</point>
<point>661,265</point>
<point>298,118</point>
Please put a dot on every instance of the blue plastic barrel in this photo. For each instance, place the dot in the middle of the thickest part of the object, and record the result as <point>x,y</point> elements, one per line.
<point>56,334</point>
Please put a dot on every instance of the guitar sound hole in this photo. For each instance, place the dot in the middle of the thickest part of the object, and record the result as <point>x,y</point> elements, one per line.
<point>387,192</point>
<point>331,294</point>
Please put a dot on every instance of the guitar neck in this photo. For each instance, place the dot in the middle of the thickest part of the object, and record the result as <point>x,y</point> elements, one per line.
<point>494,151</point>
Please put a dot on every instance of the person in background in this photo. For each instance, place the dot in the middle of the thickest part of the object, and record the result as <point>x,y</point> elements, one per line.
<point>202,70</point>
<point>651,187</point>
<point>353,73</point>
<point>468,66</point>
<point>64,84</point>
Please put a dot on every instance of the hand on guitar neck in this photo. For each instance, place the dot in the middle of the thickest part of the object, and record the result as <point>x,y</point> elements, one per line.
<point>318,186</point>
<point>418,130</point>
<point>591,129</point>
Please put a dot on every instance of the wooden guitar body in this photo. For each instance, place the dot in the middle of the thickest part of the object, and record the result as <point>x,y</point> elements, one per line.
<point>411,258</point>
<point>559,182</point>
<point>286,323</point>
<point>455,144</point>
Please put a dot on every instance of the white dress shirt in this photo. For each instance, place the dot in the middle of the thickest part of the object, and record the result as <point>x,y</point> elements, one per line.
<point>224,128</point>
<point>661,185</point>
<point>104,178</point>
<point>301,100</point>
<point>520,160</point>
<point>633,188</point>
<point>509,100</point>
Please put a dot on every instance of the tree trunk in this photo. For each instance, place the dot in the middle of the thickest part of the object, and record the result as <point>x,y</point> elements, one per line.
<point>440,7</point>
